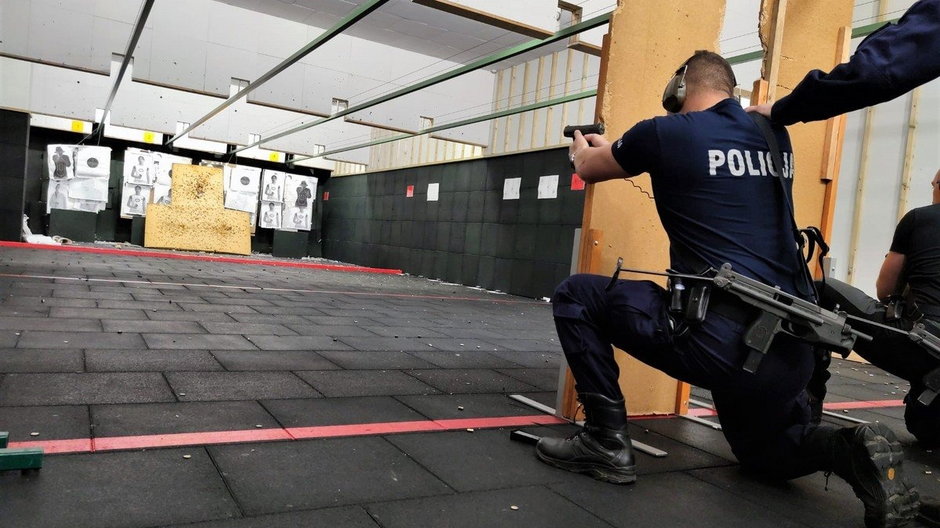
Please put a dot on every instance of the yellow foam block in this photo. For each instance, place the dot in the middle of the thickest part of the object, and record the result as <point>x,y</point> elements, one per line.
<point>196,219</point>
<point>195,185</point>
<point>198,228</point>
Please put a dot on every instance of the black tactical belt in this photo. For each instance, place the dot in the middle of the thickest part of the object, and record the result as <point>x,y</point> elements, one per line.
<point>730,308</point>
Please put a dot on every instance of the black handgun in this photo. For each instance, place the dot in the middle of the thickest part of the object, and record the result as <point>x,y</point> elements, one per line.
<point>597,128</point>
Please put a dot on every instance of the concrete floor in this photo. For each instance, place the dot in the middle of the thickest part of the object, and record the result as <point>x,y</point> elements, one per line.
<point>207,394</point>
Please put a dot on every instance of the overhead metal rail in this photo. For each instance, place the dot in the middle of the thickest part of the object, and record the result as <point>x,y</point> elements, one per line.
<point>860,31</point>
<point>354,16</point>
<point>142,15</point>
<point>455,124</point>
<point>481,63</point>
<point>359,13</point>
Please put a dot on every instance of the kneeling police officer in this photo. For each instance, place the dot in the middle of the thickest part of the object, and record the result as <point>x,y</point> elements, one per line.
<point>719,199</point>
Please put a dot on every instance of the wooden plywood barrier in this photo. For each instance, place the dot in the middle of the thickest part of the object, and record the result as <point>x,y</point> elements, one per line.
<point>646,43</point>
<point>808,35</point>
<point>197,219</point>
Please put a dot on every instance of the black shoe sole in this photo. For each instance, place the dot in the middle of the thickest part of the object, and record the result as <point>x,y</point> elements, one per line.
<point>902,501</point>
<point>604,473</point>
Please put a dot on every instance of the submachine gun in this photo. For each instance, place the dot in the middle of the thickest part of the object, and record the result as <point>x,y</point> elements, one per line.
<point>779,312</point>
<point>776,312</point>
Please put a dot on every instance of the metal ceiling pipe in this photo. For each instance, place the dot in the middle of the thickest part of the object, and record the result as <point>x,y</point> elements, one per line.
<point>142,15</point>
<point>463,122</point>
<point>354,16</point>
<point>481,63</point>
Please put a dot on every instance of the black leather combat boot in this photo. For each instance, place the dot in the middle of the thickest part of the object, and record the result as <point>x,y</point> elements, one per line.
<point>868,457</point>
<point>600,449</point>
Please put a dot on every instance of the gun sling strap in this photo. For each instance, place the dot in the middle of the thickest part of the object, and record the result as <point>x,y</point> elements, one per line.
<point>811,235</point>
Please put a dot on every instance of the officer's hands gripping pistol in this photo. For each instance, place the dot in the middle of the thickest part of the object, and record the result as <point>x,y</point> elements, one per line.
<point>597,128</point>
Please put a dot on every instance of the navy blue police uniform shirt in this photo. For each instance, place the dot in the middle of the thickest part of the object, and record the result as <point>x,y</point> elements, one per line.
<point>715,192</point>
<point>890,62</point>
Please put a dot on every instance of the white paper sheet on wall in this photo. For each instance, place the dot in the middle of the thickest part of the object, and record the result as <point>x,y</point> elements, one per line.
<point>163,167</point>
<point>239,201</point>
<point>134,200</point>
<point>95,189</point>
<point>162,194</point>
<point>433,191</point>
<point>272,186</point>
<point>138,167</point>
<point>297,218</point>
<point>89,206</point>
<point>60,162</point>
<point>548,187</point>
<point>58,195</point>
<point>511,188</point>
<point>270,215</point>
<point>245,179</point>
<point>93,161</point>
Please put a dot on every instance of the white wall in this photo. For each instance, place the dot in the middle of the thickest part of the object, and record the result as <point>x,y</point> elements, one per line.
<point>198,46</point>
<point>882,189</point>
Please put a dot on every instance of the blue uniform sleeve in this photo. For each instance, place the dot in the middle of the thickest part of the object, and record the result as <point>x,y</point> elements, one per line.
<point>638,150</point>
<point>889,63</point>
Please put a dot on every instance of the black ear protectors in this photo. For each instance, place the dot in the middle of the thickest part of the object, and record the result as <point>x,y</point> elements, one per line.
<point>674,95</point>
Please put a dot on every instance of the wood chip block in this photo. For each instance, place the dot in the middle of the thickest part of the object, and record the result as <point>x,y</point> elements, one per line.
<point>195,185</point>
<point>197,219</point>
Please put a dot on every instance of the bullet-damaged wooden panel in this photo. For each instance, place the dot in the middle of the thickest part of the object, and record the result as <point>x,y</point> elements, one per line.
<point>648,41</point>
<point>810,41</point>
<point>196,219</point>
<point>197,228</point>
<point>195,185</point>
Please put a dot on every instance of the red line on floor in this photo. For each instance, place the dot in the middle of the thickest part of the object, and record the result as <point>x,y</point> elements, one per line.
<point>834,406</point>
<point>205,258</point>
<point>114,443</point>
<point>874,404</point>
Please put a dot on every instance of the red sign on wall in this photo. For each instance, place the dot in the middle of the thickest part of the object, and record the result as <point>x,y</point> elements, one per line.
<point>577,184</point>
<point>326,195</point>
<point>410,191</point>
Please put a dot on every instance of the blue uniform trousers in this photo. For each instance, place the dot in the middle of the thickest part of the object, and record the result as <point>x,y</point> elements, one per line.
<point>764,416</point>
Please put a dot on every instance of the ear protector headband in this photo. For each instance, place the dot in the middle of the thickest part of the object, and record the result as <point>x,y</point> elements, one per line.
<point>674,94</point>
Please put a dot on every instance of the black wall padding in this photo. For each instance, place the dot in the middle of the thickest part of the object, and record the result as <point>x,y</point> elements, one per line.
<point>470,235</point>
<point>79,226</point>
<point>14,139</point>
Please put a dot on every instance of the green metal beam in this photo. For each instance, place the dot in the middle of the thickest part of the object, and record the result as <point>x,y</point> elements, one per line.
<point>476,65</point>
<point>864,31</point>
<point>463,122</point>
<point>354,16</point>
<point>861,31</point>
<point>745,57</point>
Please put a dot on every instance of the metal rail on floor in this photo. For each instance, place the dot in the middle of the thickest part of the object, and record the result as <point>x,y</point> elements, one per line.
<point>639,446</point>
<point>717,427</point>
<point>22,459</point>
<point>698,420</point>
<point>845,417</point>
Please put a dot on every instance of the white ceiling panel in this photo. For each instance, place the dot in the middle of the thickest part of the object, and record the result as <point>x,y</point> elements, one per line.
<point>400,23</point>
